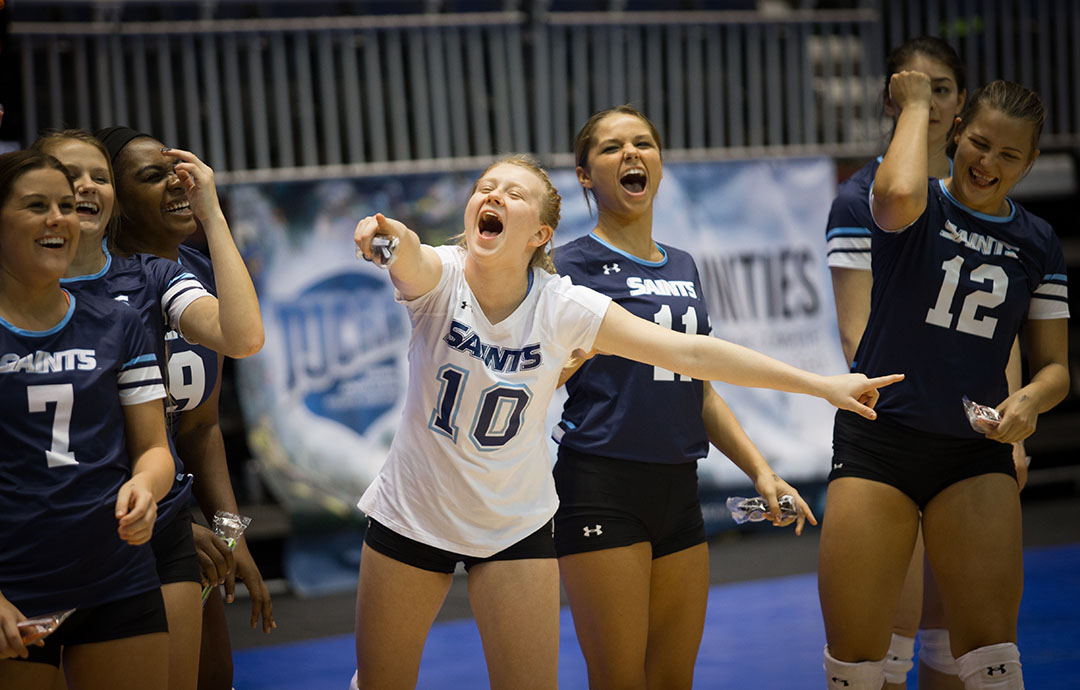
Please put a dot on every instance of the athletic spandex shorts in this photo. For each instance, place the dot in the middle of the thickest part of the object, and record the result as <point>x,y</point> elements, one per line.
<point>389,543</point>
<point>919,463</point>
<point>174,550</point>
<point>142,614</point>
<point>605,503</point>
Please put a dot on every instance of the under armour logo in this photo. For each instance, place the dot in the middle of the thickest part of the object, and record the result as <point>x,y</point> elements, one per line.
<point>593,531</point>
<point>837,465</point>
<point>464,304</point>
<point>611,268</point>
<point>991,670</point>
<point>840,682</point>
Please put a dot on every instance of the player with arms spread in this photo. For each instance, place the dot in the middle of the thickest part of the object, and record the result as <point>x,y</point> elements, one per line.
<point>468,476</point>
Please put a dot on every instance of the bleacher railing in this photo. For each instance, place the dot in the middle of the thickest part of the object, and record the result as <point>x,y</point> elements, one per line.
<point>300,98</point>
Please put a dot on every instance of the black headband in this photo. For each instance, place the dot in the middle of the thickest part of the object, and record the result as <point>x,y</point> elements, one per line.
<point>116,138</point>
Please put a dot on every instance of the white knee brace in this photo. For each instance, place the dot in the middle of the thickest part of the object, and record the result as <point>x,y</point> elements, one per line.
<point>993,667</point>
<point>934,651</point>
<point>863,675</point>
<point>898,660</point>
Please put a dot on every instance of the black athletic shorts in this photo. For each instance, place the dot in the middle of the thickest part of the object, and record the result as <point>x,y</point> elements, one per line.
<point>174,550</point>
<point>919,463</point>
<point>605,503</point>
<point>539,544</point>
<point>142,614</point>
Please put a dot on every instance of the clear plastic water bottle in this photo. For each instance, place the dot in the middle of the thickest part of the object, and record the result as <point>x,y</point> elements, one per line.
<point>754,509</point>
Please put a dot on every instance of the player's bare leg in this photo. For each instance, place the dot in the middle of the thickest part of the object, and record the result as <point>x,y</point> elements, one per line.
<point>131,662</point>
<point>516,606</point>
<point>609,593</point>
<point>396,604</point>
<point>679,592</point>
<point>183,607</point>
<point>908,613</point>
<point>867,536</point>
<point>973,542</point>
<point>933,618</point>
<point>215,655</point>
<point>27,674</point>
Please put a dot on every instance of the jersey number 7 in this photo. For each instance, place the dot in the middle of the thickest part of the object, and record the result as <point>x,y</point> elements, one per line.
<point>63,396</point>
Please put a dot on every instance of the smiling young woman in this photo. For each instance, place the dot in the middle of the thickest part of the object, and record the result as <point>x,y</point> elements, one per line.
<point>86,458</point>
<point>958,269</point>
<point>629,530</point>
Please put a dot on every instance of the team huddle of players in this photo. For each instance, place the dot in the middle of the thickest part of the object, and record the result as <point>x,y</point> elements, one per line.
<point>929,255</point>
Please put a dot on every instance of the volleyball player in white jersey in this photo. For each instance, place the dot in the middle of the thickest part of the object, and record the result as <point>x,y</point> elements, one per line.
<point>958,268</point>
<point>468,476</point>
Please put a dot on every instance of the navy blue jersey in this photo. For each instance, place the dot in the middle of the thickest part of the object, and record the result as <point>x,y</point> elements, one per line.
<point>847,233</point>
<point>950,294</point>
<point>158,290</point>
<point>193,369</point>
<point>619,408</point>
<point>65,456</point>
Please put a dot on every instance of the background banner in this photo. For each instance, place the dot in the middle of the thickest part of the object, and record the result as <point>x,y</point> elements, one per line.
<point>323,398</point>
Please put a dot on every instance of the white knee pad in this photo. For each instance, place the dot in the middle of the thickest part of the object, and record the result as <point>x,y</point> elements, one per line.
<point>352,683</point>
<point>993,667</point>
<point>898,660</point>
<point>862,675</point>
<point>934,651</point>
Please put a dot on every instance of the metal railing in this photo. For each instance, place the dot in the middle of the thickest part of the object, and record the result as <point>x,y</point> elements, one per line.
<point>296,98</point>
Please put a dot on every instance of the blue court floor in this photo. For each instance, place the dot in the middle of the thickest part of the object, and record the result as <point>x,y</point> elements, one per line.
<point>760,634</point>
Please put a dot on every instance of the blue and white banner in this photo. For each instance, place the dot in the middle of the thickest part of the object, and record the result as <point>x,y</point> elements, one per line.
<point>323,398</point>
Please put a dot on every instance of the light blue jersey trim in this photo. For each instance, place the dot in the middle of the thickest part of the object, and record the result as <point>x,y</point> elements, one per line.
<point>93,276</point>
<point>41,334</point>
<point>977,214</point>
<point>183,276</point>
<point>848,232</point>
<point>1056,276</point>
<point>139,360</point>
<point>633,258</point>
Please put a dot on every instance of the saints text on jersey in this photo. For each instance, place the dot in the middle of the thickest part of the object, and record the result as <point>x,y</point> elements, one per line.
<point>502,359</point>
<point>659,286</point>
<point>41,362</point>
<point>984,244</point>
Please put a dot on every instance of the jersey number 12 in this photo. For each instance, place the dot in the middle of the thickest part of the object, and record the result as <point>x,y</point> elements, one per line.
<point>940,314</point>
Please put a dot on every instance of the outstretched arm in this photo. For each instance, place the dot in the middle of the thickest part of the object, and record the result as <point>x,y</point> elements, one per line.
<point>704,357</point>
<point>232,323</point>
<point>899,191</point>
<point>416,269</point>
